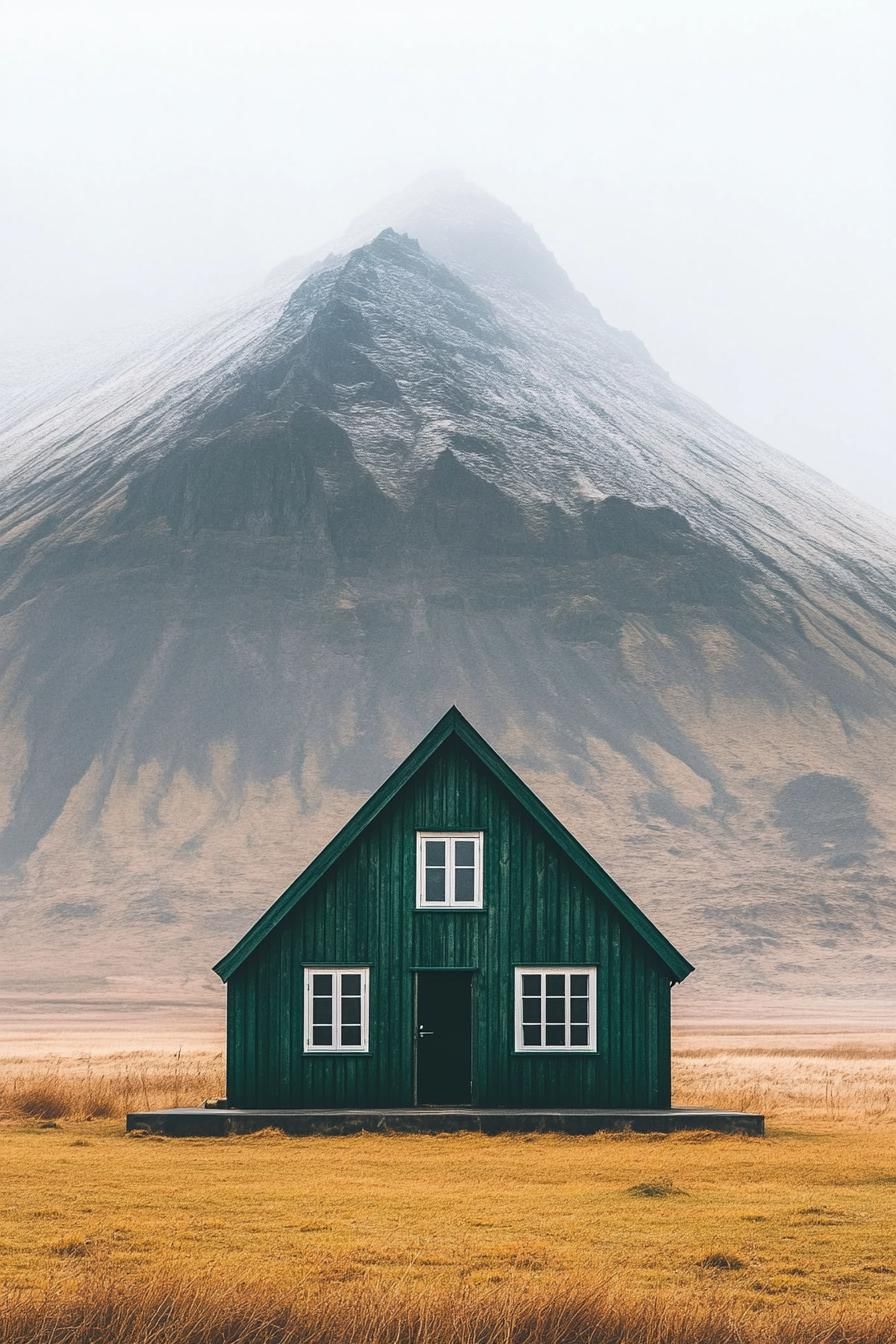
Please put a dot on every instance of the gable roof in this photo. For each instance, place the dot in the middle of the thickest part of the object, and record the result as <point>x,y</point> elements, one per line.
<point>453,724</point>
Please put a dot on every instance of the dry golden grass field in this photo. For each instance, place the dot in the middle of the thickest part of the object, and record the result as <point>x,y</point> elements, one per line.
<point>691,1238</point>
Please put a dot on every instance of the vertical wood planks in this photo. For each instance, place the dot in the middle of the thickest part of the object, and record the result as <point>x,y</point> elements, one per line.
<point>539,909</point>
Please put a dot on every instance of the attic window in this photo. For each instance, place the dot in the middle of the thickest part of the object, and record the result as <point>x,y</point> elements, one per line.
<point>556,1008</point>
<point>336,1009</point>
<point>449,870</point>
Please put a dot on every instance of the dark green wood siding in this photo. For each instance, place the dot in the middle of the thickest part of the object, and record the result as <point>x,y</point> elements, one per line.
<point>539,909</point>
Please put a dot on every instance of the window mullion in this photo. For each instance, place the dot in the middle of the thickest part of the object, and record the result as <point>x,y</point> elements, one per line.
<point>337,1009</point>
<point>478,875</point>
<point>592,1009</point>
<point>567,1009</point>
<point>365,1009</point>
<point>449,872</point>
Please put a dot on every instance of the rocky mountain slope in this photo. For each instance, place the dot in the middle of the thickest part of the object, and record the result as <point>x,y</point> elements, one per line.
<point>242,575</point>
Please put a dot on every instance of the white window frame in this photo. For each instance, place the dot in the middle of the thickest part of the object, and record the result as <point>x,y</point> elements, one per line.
<point>336,1047</point>
<point>543,971</point>
<point>449,902</point>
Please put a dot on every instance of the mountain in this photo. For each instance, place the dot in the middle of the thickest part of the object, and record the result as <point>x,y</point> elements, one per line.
<point>244,572</point>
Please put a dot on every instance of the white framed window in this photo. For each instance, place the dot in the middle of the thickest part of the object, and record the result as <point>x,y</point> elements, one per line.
<point>556,1008</point>
<point>449,870</point>
<point>337,1008</point>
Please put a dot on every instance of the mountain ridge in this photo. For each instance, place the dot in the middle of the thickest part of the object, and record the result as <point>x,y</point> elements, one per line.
<point>230,604</point>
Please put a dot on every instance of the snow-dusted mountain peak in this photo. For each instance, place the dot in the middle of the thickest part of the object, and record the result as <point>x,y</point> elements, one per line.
<point>469,230</point>
<point>242,574</point>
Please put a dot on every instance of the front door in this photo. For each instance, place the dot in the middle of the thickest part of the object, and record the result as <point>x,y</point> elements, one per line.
<point>444,1038</point>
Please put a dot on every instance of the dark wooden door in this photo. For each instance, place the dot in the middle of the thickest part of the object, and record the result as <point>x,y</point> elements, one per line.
<point>444,1038</point>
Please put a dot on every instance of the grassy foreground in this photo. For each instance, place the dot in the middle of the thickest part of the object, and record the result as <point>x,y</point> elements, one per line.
<point>566,1313</point>
<point>692,1238</point>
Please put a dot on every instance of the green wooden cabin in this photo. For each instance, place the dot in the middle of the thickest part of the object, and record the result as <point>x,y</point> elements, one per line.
<point>454,945</point>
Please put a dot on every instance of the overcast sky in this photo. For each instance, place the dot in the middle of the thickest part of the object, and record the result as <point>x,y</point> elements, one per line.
<point>716,176</point>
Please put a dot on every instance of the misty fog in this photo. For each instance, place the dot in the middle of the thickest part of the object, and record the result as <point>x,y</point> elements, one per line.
<point>717,177</point>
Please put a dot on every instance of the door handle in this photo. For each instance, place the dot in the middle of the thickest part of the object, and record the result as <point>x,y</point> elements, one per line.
<point>421,1033</point>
